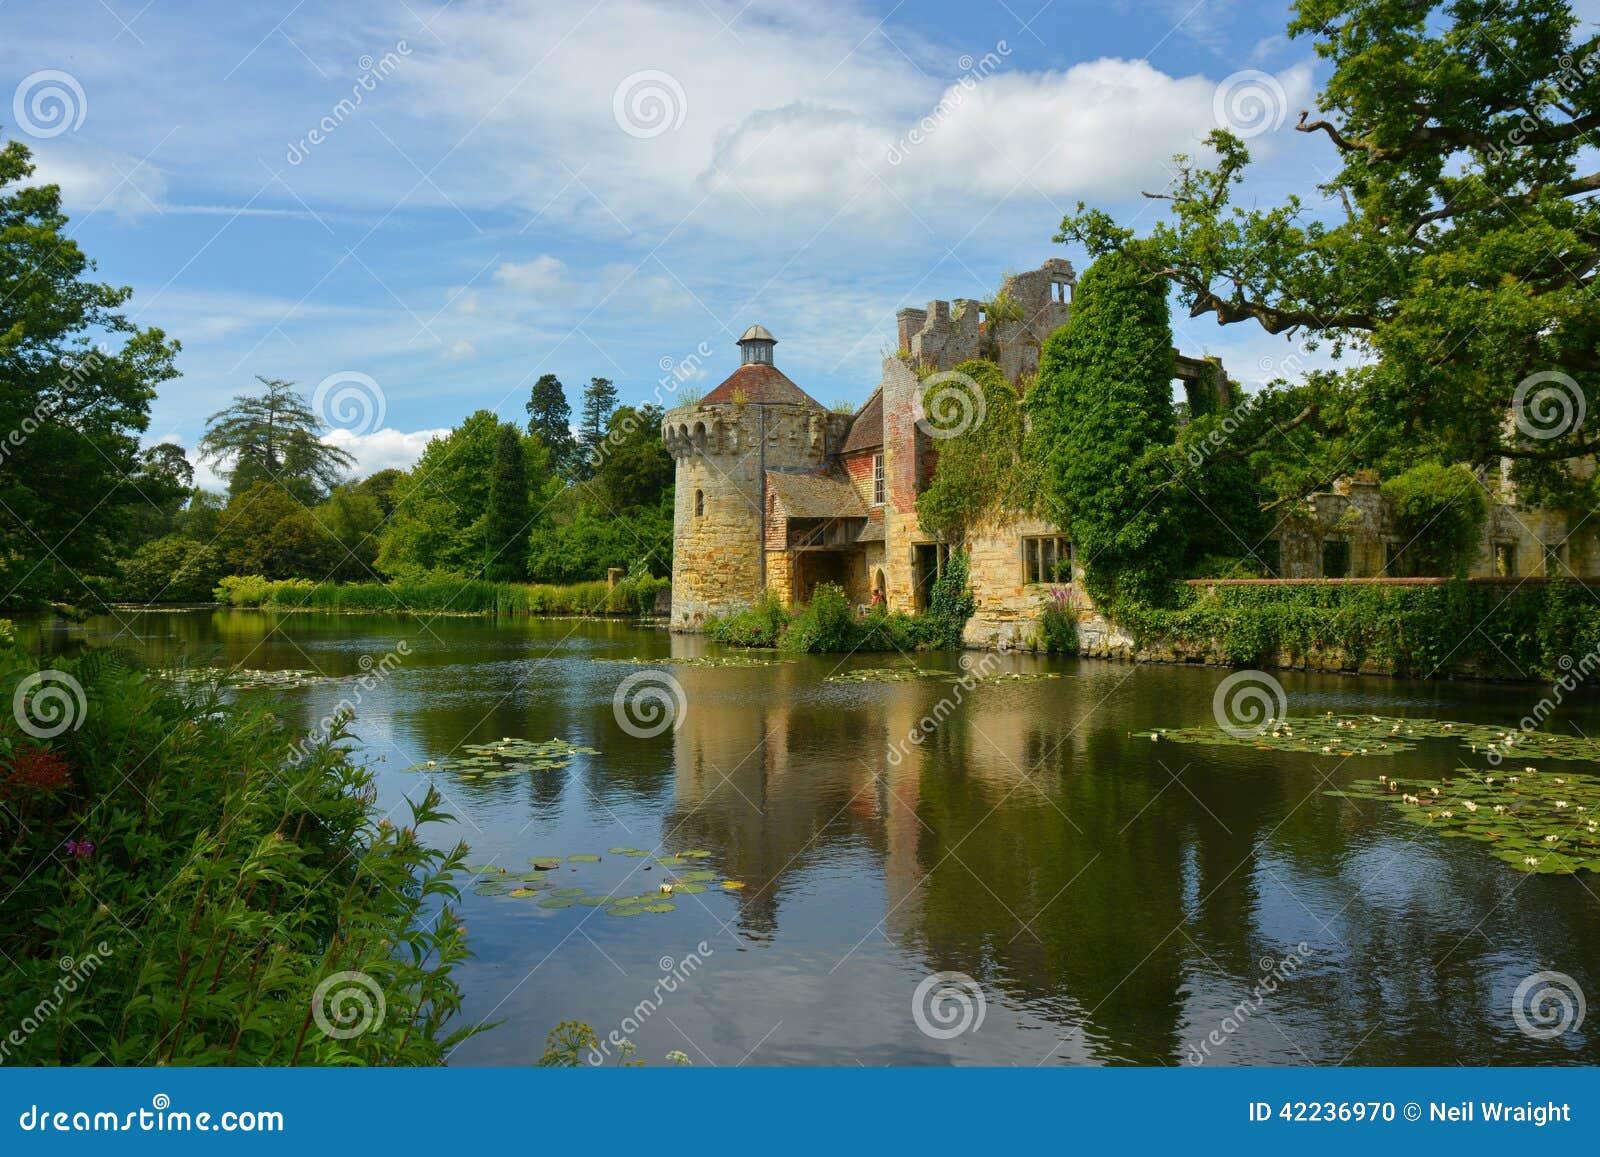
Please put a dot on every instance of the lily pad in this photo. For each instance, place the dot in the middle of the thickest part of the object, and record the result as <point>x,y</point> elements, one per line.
<point>661,906</point>
<point>732,885</point>
<point>583,858</point>
<point>635,853</point>
<point>625,910</point>
<point>670,861</point>
<point>1537,821</point>
<point>892,675</point>
<point>557,902</point>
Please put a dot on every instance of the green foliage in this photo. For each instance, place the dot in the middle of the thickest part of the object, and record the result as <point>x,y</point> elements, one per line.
<point>594,416</point>
<point>446,594</point>
<point>1417,630</point>
<point>274,437</point>
<point>583,538</point>
<point>632,468</point>
<point>441,513</point>
<point>266,530</point>
<point>989,472</point>
<point>829,624</point>
<point>171,569</point>
<point>1459,262</point>
<point>550,421</point>
<point>353,520</point>
<point>1058,623</point>
<point>1102,412</point>
<point>951,602</point>
<point>506,519</point>
<point>761,624</point>
<point>1438,512</point>
<point>825,623</point>
<point>209,872</point>
<point>78,378</point>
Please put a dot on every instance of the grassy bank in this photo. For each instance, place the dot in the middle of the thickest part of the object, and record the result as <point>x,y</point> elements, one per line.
<point>1511,629</point>
<point>188,882</point>
<point>443,594</point>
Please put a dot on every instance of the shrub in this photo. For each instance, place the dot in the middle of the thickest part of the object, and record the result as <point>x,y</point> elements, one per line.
<point>951,602</point>
<point>210,872</point>
<point>827,623</point>
<point>172,569</point>
<point>761,624</point>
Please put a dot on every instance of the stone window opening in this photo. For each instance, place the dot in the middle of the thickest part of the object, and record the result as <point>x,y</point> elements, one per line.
<point>699,503</point>
<point>1061,292</point>
<point>1046,558</point>
<point>877,480</point>
<point>1335,558</point>
<point>1505,559</point>
<point>1552,560</point>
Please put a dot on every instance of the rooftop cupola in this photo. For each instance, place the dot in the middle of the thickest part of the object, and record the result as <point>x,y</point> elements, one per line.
<point>755,347</point>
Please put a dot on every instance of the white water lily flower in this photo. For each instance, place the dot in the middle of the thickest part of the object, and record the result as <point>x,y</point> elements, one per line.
<point>1449,815</point>
<point>1530,860</point>
<point>1561,803</point>
<point>1499,809</point>
<point>1469,805</point>
<point>1551,839</point>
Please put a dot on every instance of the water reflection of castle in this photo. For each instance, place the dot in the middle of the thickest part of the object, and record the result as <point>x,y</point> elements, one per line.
<point>977,834</point>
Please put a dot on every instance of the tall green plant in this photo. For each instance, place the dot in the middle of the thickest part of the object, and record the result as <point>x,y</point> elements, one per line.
<point>1102,411</point>
<point>506,520</point>
<point>226,889</point>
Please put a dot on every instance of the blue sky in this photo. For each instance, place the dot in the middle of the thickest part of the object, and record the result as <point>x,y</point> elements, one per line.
<point>607,188</point>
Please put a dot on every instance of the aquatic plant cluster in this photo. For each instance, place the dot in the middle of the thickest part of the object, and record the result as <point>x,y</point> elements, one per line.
<point>1537,821</point>
<point>537,884</point>
<point>507,757</point>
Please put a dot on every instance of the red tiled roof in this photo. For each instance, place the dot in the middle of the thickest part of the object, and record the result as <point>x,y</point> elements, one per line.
<point>867,429</point>
<point>762,385</point>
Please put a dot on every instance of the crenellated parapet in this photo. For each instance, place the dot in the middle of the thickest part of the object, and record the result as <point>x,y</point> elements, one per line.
<point>1011,329</point>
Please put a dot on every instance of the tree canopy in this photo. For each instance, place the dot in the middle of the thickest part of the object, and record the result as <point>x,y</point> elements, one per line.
<point>274,436</point>
<point>79,378</point>
<point>1455,244</point>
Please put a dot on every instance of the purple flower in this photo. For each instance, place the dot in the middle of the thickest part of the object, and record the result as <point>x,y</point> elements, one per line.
<point>82,849</point>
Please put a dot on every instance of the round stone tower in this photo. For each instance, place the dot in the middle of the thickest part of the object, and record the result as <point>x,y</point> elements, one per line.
<point>754,422</point>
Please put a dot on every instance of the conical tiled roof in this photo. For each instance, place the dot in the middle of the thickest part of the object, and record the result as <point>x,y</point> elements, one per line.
<point>761,385</point>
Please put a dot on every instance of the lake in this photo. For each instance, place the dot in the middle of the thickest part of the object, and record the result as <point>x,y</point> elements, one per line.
<point>1105,899</point>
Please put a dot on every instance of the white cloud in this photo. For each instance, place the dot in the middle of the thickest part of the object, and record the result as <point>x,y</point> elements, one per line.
<point>383,449</point>
<point>544,275</point>
<point>460,350</point>
<point>99,180</point>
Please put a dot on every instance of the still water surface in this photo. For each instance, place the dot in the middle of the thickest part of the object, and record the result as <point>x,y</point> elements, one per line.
<point>1114,900</point>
